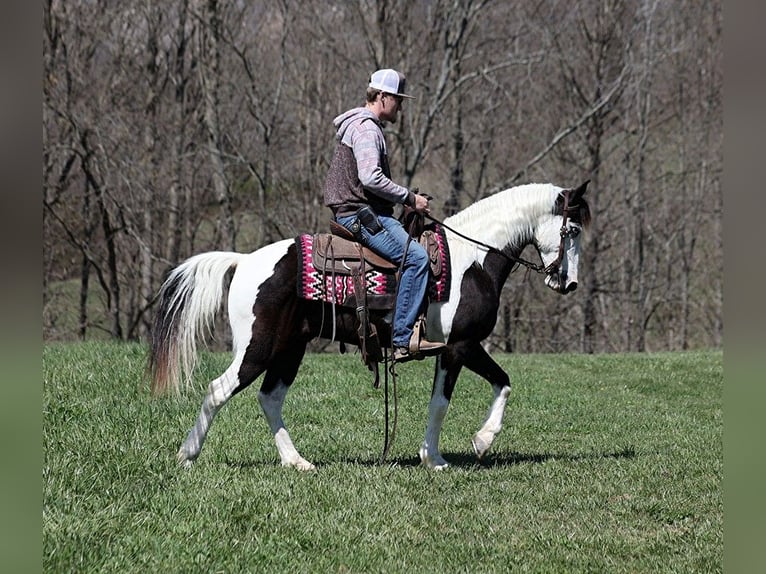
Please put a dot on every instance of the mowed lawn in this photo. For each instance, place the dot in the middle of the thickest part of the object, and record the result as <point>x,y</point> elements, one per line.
<point>606,463</point>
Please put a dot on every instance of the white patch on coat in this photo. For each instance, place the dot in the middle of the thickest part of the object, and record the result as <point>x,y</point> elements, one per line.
<point>253,270</point>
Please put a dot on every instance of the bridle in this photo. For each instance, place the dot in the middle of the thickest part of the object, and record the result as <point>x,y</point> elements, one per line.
<point>565,232</point>
<point>553,267</point>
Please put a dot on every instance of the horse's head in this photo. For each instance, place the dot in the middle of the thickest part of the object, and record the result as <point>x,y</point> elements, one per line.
<point>558,239</point>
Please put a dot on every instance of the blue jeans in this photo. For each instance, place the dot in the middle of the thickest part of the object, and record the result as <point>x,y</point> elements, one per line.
<point>389,243</point>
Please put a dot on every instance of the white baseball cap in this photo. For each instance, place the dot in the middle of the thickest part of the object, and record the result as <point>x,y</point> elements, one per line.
<point>389,81</point>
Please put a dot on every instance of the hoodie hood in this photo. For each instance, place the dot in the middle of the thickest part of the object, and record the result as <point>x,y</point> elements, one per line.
<point>344,121</point>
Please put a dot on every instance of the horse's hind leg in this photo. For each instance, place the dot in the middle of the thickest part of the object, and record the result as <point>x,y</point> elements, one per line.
<point>279,376</point>
<point>218,393</point>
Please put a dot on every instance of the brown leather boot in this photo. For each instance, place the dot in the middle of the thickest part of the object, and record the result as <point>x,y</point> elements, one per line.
<point>402,355</point>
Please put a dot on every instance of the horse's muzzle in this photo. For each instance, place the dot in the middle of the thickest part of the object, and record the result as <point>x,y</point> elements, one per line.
<point>560,284</point>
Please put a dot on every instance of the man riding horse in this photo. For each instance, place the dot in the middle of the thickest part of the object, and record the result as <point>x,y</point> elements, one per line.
<point>359,191</point>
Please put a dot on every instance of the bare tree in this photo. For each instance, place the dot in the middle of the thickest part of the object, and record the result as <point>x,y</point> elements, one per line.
<point>211,16</point>
<point>185,126</point>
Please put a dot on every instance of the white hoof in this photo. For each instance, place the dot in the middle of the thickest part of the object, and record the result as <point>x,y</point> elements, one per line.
<point>432,461</point>
<point>184,459</point>
<point>301,464</point>
<point>481,444</point>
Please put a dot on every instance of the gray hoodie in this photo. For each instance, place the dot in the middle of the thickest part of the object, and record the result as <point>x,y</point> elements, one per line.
<point>359,173</point>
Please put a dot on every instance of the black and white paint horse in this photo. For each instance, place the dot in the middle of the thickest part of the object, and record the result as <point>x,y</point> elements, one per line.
<point>271,325</point>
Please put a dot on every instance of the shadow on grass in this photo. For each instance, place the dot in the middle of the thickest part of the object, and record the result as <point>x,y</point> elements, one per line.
<point>502,459</point>
<point>462,459</point>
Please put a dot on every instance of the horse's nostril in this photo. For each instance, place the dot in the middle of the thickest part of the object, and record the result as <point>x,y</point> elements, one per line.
<point>571,287</point>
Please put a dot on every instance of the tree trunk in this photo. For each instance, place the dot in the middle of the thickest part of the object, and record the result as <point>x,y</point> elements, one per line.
<point>210,81</point>
<point>452,205</point>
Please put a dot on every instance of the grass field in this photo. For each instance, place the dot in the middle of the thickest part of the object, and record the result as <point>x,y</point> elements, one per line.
<point>608,463</point>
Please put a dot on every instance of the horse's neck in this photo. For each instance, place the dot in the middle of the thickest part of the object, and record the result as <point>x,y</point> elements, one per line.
<point>506,220</point>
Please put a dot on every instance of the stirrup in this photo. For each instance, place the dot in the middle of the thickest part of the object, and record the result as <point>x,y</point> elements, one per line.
<point>417,334</point>
<point>419,346</point>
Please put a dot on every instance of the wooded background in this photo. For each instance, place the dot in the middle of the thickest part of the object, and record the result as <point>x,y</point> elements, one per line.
<point>176,127</point>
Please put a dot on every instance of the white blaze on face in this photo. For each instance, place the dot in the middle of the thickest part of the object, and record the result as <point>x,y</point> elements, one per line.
<point>571,262</point>
<point>549,239</point>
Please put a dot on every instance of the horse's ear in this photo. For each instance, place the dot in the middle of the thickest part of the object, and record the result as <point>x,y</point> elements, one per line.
<point>580,191</point>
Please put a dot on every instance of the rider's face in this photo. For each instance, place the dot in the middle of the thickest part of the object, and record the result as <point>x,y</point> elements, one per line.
<point>392,105</point>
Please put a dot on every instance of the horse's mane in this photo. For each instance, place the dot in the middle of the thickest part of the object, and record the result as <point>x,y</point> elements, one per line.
<point>507,216</point>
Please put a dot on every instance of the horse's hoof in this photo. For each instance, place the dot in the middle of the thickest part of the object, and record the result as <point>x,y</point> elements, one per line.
<point>480,446</point>
<point>301,464</point>
<point>184,459</point>
<point>184,462</point>
<point>435,462</point>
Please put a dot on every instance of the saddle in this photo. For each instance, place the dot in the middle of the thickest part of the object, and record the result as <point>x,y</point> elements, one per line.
<point>362,279</point>
<point>338,252</point>
<point>346,252</point>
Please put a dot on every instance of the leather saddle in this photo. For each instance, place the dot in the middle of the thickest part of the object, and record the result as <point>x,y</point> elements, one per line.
<point>338,253</point>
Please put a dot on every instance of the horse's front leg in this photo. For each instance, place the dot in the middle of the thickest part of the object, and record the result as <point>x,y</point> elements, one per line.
<point>445,375</point>
<point>478,361</point>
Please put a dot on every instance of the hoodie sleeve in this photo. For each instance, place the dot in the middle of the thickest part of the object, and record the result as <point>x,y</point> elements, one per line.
<point>370,152</point>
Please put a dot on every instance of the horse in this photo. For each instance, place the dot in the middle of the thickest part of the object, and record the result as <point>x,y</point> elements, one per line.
<point>271,325</point>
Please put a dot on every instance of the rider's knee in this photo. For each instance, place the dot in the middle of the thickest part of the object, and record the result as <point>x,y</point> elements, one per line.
<point>417,256</point>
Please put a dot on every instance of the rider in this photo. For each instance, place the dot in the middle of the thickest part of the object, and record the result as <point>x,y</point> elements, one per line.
<point>361,195</point>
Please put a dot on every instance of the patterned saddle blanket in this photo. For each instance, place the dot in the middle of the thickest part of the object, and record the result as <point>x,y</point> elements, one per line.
<point>327,265</point>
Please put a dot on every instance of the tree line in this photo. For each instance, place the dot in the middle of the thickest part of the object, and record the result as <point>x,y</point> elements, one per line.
<point>176,127</point>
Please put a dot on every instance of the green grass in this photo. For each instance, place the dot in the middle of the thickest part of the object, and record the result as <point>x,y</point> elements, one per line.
<point>605,463</point>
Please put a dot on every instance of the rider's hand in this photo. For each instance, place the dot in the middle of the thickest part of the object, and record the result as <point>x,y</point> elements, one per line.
<point>421,204</point>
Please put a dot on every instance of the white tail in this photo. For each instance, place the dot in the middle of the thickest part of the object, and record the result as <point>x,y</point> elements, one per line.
<point>188,302</point>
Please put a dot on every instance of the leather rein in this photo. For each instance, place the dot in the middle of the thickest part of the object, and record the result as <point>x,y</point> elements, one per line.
<point>564,232</point>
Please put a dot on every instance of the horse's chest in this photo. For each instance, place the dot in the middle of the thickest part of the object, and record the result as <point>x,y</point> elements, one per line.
<point>472,306</point>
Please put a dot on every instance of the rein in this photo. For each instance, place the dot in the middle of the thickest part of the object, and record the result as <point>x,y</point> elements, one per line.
<point>533,266</point>
<point>528,264</point>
